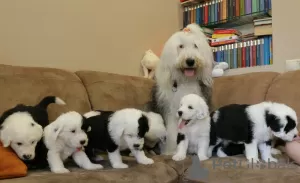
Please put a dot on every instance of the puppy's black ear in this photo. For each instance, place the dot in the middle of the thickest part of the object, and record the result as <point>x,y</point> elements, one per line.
<point>291,124</point>
<point>272,121</point>
<point>143,126</point>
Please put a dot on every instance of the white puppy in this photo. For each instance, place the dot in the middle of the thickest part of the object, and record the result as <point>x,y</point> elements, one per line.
<point>194,128</point>
<point>185,68</point>
<point>64,138</point>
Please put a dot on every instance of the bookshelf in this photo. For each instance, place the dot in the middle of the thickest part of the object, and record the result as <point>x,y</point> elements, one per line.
<point>244,52</point>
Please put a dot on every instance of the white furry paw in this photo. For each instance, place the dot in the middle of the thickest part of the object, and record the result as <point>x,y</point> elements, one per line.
<point>60,170</point>
<point>179,157</point>
<point>202,158</point>
<point>271,159</point>
<point>120,166</point>
<point>93,166</point>
<point>275,151</point>
<point>146,161</point>
<point>253,160</point>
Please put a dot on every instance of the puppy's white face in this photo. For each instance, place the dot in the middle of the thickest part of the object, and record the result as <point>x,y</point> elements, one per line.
<point>132,138</point>
<point>66,129</point>
<point>192,108</point>
<point>21,133</point>
<point>282,121</point>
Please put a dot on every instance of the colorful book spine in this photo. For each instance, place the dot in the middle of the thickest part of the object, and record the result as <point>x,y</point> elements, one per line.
<point>245,54</point>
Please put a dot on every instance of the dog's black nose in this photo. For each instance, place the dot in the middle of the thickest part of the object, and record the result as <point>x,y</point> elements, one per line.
<point>190,62</point>
<point>136,145</point>
<point>179,113</point>
<point>27,156</point>
<point>82,142</point>
<point>295,136</point>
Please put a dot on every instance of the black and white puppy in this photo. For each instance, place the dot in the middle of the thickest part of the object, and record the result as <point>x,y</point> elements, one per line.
<point>193,128</point>
<point>65,137</point>
<point>255,126</point>
<point>22,130</point>
<point>113,132</point>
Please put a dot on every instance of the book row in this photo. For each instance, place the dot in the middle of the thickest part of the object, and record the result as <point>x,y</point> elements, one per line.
<point>246,54</point>
<point>221,10</point>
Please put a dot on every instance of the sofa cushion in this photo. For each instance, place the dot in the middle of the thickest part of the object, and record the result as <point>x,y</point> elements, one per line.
<point>242,89</point>
<point>164,170</point>
<point>10,165</point>
<point>112,91</point>
<point>29,85</point>
<point>236,169</point>
<point>285,89</point>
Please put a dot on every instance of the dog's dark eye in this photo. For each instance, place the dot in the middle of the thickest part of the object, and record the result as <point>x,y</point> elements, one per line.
<point>195,46</point>
<point>181,46</point>
<point>32,142</point>
<point>190,107</point>
<point>73,131</point>
<point>129,135</point>
<point>19,143</point>
<point>32,124</point>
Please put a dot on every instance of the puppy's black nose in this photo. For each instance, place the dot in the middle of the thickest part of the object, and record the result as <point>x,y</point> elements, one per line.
<point>179,113</point>
<point>82,142</point>
<point>27,156</point>
<point>190,62</point>
<point>136,145</point>
<point>295,136</point>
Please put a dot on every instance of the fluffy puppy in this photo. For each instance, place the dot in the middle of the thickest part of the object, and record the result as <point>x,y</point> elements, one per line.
<point>255,126</point>
<point>185,68</point>
<point>117,131</point>
<point>193,127</point>
<point>64,138</point>
<point>22,129</point>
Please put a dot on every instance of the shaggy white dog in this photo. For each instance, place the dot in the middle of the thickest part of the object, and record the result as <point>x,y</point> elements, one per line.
<point>64,138</point>
<point>194,128</point>
<point>185,68</point>
<point>21,128</point>
<point>115,131</point>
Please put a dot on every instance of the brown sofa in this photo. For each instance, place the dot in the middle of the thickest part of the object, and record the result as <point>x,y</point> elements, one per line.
<point>86,90</point>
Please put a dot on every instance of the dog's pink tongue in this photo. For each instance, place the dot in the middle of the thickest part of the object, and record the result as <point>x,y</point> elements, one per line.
<point>182,124</point>
<point>189,72</point>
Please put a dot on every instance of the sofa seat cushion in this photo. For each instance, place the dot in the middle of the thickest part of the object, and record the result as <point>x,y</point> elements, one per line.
<point>28,85</point>
<point>248,88</point>
<point>163,170</point>
<point>112,91</point>
<point>236,169</point>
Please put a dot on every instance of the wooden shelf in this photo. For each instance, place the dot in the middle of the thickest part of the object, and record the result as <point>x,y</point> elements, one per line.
<point>192,2</point>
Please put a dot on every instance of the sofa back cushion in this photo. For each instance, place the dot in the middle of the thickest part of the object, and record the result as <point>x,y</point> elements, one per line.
<point>109,91</point>
<point>28,85</point>
<point>242,89</point>
<point>286,89</point>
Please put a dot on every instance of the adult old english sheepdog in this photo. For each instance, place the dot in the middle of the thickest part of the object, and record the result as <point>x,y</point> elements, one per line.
<point>185,68</point>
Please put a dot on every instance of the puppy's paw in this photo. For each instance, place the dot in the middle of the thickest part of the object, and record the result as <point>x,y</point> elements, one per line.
<point>271,159</point>
<point>146,161</point>
<point>93,166</point>
<point>120,166</point>
<point>202,158</point>
<point>253,160</point>
<point>60,170</point>
<point>275,151</point>
<point>179,157</point>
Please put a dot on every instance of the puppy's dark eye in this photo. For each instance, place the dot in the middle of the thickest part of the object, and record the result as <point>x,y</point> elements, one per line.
<point>195,46</point>
<point>129,135</point>
<point>73,131</point>
<point>32,124</point>
<point>181,46</point>
<point>19,143</point>
<point>190,107</point>
<point>32,142</point>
